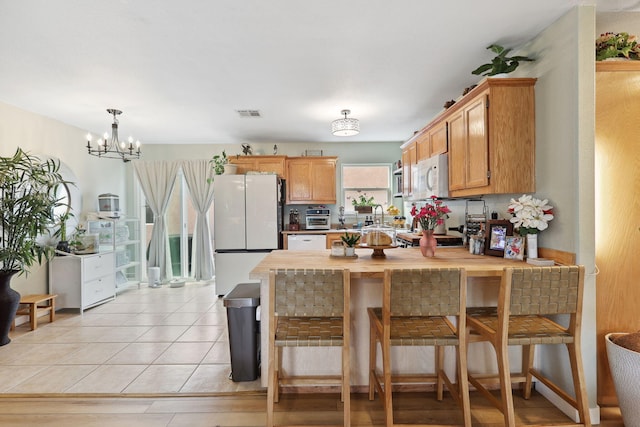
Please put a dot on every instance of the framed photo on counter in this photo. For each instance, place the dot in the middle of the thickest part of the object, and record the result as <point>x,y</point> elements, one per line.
<point>497,232</point>
<point>514,248</point>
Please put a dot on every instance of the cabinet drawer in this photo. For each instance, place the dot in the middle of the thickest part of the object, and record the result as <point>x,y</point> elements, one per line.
<point>97,266</point>
<point>98,289</point>
<point>304,242</point>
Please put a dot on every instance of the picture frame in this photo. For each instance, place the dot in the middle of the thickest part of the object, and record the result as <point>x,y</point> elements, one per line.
<point>497,232</point>
<point>514,248</point>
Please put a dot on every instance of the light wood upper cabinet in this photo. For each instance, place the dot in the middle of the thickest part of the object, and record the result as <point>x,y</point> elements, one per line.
<point>489,135</point>
<point>311,180</point>
<point>422,146</point>
<point>492,139</point>
<point>438,139</point>
<point>409,161</point>
<point>457,151</point>
<point>259,164</point>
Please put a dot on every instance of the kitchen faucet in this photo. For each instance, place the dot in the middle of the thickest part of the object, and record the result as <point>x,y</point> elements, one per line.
<point>375,219</point>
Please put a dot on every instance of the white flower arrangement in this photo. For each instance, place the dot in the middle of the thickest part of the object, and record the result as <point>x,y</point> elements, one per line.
<point>530,215</point>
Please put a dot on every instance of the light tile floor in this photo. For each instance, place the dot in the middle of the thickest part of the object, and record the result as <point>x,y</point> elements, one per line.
<point>147,341</point>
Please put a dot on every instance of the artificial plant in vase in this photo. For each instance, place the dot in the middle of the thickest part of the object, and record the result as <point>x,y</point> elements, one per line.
<point>218,162</point>
<point>617,45</point>
<point>501,63</point>
<point>27,200</point>
<point>350,240</point>
<point>430,216</point>
<point>529,217</point>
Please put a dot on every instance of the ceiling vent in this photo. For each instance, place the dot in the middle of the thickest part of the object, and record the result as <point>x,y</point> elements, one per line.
<point>249,113</point>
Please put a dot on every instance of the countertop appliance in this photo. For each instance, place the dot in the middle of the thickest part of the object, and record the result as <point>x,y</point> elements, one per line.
<point>248,218</point>
<point>318,219</point>
<point>431,177</point>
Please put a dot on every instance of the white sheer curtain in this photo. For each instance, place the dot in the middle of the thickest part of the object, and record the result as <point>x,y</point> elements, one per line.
<point>157,179</point>
<point>199,176</point>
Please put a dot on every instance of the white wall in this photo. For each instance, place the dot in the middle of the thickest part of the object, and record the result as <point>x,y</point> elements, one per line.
<point>43,136</point>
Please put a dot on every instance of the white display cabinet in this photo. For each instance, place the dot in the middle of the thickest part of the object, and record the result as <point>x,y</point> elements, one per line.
<point>122,237</point>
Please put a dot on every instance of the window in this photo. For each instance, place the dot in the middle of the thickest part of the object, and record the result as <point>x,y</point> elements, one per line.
<point>368,180</point>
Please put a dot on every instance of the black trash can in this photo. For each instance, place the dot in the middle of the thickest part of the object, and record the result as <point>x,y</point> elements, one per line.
<point>244,331</point>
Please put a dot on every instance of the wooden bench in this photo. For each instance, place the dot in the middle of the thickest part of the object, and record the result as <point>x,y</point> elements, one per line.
<point>35,305</point>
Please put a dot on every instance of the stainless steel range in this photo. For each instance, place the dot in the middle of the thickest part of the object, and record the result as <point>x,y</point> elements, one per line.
<point>318,219</point>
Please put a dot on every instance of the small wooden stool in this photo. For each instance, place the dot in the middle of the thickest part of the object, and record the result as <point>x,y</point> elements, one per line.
<point>34,307</point>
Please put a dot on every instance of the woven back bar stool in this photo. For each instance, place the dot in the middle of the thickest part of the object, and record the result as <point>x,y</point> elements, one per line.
<point>417,308</point>
<point>527,297</point>
<point>308,308</point>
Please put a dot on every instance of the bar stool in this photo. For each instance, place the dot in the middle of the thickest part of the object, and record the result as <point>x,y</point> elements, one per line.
<point>308,308</point>
<point>415,306</point>
<point>527,296</point>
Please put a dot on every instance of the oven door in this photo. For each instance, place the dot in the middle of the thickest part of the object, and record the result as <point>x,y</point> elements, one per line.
<point>317,223</point>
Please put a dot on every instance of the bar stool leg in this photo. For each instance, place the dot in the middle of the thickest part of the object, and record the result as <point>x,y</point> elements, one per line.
<point>372,361</point>
<point>502,353</point>
<point>439,360</point>
<point>527,365</point>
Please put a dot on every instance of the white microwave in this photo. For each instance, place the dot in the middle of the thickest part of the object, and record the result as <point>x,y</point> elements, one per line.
<point>430,178</point>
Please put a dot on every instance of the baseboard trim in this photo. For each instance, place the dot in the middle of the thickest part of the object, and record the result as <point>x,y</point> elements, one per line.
<point>563,406</point>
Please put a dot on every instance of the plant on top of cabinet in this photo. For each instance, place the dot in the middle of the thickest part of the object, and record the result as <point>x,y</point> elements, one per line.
<point>501,63</point>
<point>218,161</point>
<point>617,45</point>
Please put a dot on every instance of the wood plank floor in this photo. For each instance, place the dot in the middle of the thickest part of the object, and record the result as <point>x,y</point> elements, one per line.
<point>249,409</point>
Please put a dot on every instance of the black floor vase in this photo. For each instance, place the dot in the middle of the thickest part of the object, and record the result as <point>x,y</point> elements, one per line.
<point>9,301</point>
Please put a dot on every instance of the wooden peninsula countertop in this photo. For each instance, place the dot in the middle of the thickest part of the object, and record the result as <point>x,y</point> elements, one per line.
<point>366,266</point>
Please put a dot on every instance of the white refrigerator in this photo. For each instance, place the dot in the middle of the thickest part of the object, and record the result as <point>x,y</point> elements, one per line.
<point>248,217</point>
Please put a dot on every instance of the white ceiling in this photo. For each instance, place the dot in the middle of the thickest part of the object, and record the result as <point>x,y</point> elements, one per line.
<point>179,69</point>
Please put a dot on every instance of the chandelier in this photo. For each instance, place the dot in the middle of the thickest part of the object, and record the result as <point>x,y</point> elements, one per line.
<point>345,126</point>
<point>113,148</point>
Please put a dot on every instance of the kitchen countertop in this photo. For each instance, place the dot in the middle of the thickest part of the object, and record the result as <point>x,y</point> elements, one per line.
<point>332,230</point>
<point>285,232</point>
<point>366,266</point>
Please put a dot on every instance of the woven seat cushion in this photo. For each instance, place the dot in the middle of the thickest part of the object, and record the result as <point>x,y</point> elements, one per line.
<point>309,332</point>
<point>419,330</point>
<point>523,330</point>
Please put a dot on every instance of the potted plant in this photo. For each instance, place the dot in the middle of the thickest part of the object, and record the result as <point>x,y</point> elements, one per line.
<point>623,352</point>
<point>617,45</point>
<point>28,189</point>
<point>363,204</point>
<point>350,240</point>
<point>501,63</point>
<point>220,161</point>
<point>61,233</point>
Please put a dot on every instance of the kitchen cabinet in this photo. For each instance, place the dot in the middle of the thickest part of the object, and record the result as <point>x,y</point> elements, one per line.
<point>311,180</point>
<point>469,146</point>
<point>306,242</point>
<point>83,281</point>
<point>491,139</point>
<point>438,138</point>
<point>431,140</point>
<point>259,164</point>
<point>332,237</point>
<point>617,117</point>
<point>409,162</point>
